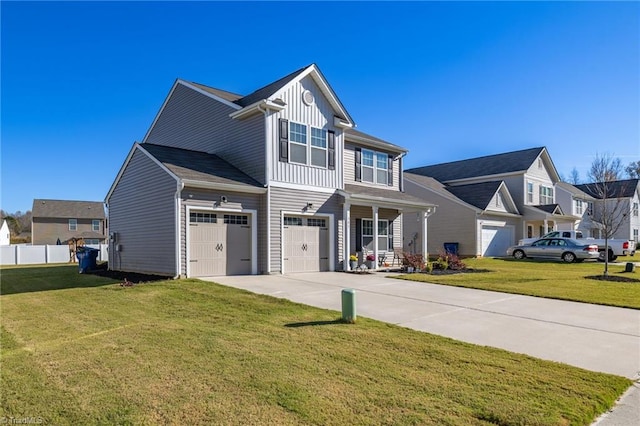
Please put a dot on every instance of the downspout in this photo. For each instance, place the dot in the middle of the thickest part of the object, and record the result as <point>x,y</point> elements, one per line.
<point>267,178</point>
<point>179,188</point>
<point>401,173</point>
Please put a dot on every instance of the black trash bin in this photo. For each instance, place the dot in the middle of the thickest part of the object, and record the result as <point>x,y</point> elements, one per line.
<point>451,248</point>
<point>87,258</point>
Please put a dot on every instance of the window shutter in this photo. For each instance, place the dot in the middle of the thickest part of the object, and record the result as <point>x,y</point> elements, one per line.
<point>390,170</point>
<point>390,232</point>
<point>332,149</point>
<point>284,140</point>
<point>358,164</point>
<point>358,234</point>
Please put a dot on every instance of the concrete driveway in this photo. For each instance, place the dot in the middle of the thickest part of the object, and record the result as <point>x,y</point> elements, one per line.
<point>592,337</point>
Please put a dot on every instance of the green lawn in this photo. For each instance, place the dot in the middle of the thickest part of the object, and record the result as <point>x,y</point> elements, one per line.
<point>547,279</point>
<point>80,349</point>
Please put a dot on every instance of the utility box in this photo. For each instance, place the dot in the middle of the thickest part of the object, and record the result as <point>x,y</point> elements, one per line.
<point>349,305</point>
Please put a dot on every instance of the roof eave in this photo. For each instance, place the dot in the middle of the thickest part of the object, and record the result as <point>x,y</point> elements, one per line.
<point>257,107</point>
<point>224,186</point>
<point>393,203</point>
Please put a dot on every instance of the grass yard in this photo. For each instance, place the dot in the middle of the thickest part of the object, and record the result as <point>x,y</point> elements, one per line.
<point>547,279</point>
<point>80,349</point>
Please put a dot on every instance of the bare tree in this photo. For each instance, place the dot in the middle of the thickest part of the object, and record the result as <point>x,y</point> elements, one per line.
<point>574,177</point>
<point>610,211</point>
<point>633,170</point>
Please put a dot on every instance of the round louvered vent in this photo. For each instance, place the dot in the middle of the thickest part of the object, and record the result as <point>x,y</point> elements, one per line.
<point>307,97</point>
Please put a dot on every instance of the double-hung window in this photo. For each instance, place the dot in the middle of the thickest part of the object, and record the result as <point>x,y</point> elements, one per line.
<point>579,207</point>
<point>73,224</point>
<point>546,195</point>
<point>95,225</point>
<point>384,237</point>
<point>634,211</point>
<point>298,147</point>
<point>375,167</point>
<point>318,147</point>
<point>530,192</point>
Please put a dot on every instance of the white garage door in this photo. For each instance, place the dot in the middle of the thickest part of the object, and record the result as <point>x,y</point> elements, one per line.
<point>496,240</point>
<point>219,244</point>
<point>305,244</point>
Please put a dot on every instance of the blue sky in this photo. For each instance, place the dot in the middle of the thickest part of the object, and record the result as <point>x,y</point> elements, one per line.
<point>80,82</point>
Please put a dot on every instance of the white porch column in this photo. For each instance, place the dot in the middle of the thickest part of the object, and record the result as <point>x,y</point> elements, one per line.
<point>346,231</point>
<point>546,227</point>
<point>375,236</point>
<point>423,218</point>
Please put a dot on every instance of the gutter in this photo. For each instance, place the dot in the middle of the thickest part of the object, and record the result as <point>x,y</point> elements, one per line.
<point>179,188</point>
<point>256,107</point>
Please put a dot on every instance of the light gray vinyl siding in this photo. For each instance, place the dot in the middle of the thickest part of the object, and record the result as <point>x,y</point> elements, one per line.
<point>196,197</point>
<point>194,121</point>
<point>320,115</point>
<point>452,222</point>
<point>350,169</point>
<point>517,186</point>
<point>566,201</point>
<point>142,212</point>
<point>497,203</point>
<point>294,201</point>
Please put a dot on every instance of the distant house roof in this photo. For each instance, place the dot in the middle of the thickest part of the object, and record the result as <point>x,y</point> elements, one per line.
<point>67,209</point>
<point>614,189</point>
<point>508,162</point>
<point>199,166</point>
<point>477,194</point>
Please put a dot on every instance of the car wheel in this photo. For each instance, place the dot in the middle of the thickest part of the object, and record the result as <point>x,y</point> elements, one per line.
<point>569,257</point>
<point>518,254</point>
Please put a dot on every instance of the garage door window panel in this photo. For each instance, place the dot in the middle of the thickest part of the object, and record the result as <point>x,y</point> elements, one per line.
<point>198,217</point>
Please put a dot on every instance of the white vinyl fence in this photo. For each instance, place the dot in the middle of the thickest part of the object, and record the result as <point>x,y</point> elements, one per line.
<point>22,254</point>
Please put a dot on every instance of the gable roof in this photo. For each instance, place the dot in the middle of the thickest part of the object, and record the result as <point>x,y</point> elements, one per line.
<point>509,162</point>
<point>614,189</point>
<point>269,89</point>
<point>550,208</point>
<point>195,166</point>
<point>65,209</point>
<point>477,194</point>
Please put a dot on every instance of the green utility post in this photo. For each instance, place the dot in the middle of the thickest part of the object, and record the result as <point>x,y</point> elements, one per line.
<point>349,305</point>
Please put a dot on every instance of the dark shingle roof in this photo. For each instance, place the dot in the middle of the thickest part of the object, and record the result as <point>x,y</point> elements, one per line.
<point>198,166</point>
<point>508,162</point>
<point>68,209</point>
<point>268,90</point>
<point>549,208</point>
<point>476,194</point>
<point>614,189</point>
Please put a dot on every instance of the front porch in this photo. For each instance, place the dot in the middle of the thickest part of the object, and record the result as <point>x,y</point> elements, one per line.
<point>373,226</point>
<point>540,220</point>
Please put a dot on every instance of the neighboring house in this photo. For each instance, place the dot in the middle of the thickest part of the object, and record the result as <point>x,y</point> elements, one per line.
<point>578,203</point>
<point>54,221</point>
<point>623,199</point>
<point>5,234</point>
<point>486,204</point>
<point>273,182</point>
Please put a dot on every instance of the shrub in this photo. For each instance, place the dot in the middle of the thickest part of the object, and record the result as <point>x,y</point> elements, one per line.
<point>414,260</point>
<point>448,261</point>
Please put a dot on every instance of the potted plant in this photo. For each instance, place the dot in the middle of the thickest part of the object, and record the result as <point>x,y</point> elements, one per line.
<point>353,262</point>
<point>371,261</point>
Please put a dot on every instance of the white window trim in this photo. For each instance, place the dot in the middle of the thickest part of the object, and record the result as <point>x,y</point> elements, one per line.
<point>530,193</point>
<point>95,225</point>
<point>545,196</point>
<point>73,224</point>
<point>309,146</point>
<point>375,167</point>
<point>362,234</point>
<point>579,207</point>
<point>634,210</point>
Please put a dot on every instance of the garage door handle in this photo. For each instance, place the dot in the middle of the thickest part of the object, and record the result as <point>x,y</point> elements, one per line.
<point>219,247</point>
<point>193,260</point>
<point>244,260</point>
<point>304,247</point>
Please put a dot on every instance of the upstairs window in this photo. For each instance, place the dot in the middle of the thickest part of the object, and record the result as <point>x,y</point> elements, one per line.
<point>530,192</point>
<point>373,167</point>
<point>73,224</point>
<point>579,207</point>
<point>546,195</point>
<point>589,208</point>
<point>318,147</point>
<point>298,146</point>
<point>95,225</point>
<point>634,210</point>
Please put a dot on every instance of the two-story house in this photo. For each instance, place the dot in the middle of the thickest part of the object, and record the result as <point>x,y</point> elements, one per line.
<point>486,204</point>
<point>275,181</point>
<point>54,221</point>
<point>620,201</point>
